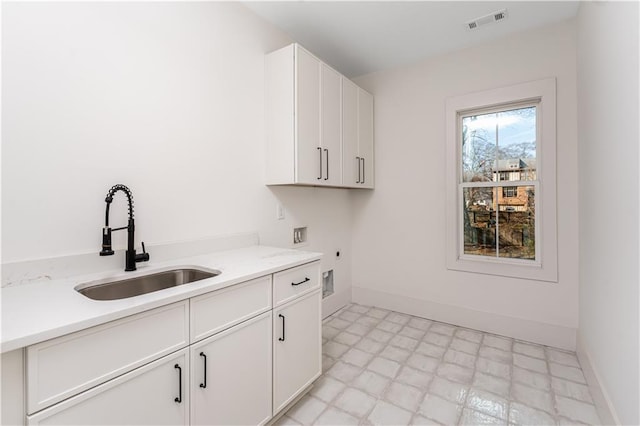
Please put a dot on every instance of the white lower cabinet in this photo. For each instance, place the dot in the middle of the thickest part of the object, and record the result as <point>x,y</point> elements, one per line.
<point>227,366</point>
<point>60,368</point>
<point>297,359</point>
<point>231,375</point>
<point>155,394</point>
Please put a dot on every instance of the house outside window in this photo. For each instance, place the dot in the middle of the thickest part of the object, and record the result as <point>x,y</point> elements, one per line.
<point>501,182</point>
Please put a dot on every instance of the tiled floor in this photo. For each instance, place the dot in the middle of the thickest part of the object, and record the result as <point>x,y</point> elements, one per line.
<point>382,367</point>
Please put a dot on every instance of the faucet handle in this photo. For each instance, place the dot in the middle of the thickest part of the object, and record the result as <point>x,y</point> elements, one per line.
<point>144,256</point>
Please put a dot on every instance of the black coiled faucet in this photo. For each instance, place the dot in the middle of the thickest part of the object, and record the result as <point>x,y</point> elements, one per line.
<point>131,257</point>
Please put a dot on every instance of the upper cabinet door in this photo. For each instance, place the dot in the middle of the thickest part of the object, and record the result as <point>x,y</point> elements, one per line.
<point>330,118</point>
<point>307,123</point>
<point>365,138</point>
<point>351,164</point>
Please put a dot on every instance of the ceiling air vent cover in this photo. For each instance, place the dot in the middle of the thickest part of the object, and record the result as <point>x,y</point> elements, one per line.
<point>496,16</point>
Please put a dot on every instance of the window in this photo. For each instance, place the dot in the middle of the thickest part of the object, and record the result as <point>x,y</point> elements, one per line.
<point>496,146</point>
<point>501,182</point>
<point>509,191</point>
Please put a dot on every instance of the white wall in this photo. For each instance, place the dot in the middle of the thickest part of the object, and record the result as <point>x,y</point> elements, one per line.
<point>399,235</point>
<point>608,162</point>
<point>167,98</point>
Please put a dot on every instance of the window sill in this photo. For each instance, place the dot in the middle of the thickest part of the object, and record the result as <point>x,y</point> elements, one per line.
<point>527,270</point>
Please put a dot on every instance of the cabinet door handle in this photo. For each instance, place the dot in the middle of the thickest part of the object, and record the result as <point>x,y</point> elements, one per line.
<point>302,282</point>
<point>320,151</point>
<point>363,172</point>
<point>282,338</point>
<point>179,398</point>
<point>358,159</point>
<point>327,152</point>
<point>204,385</point>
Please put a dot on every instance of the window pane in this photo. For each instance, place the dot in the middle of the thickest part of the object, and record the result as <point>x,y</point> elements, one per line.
<point>479,221</point>
<point>478,148</point>
<point>499,146</point>
<point>516,145</point>
<point>516,223</point>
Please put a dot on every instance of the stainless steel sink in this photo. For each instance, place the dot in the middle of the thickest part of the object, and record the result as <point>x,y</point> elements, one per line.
<point>123,287</point>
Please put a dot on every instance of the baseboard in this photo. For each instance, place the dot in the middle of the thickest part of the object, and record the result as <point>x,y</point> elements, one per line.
<point>600,396</point>
<point>517,328</point>
<point>334,302</point>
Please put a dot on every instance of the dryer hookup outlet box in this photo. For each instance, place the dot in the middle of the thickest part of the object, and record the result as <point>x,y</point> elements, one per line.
<point>327,283</point>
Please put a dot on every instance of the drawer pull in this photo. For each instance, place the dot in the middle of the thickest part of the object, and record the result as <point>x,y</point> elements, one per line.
<point>204,385</point>
<point>282,338</point>
<point>301,282</point>
<point>179,397</point>
<point>320,151</point>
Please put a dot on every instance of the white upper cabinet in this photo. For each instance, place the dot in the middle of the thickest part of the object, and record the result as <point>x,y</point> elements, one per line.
<point>365,138</point>
<point>330,129</point>
<point>307,168</point>
<point>350,157</point>
<point>305,121</point>
<point>357,136</point>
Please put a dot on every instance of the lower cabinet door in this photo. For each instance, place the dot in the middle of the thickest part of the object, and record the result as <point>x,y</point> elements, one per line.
<point>296,347</point>
<point>231,375</point>
<point>156,393</point>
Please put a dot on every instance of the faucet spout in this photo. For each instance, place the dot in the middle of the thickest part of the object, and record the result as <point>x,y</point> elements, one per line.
<point>130,257</point>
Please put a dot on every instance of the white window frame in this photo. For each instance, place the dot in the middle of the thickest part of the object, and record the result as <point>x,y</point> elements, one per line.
<point>545,267</point>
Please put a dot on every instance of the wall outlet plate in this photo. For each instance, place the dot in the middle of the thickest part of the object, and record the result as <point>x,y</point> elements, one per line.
<point>300,236</point>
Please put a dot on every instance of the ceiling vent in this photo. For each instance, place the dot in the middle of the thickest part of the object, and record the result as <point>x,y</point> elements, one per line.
<point>499,15</point>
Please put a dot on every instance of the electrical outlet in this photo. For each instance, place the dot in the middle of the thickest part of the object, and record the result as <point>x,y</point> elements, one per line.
<point>279,211</point>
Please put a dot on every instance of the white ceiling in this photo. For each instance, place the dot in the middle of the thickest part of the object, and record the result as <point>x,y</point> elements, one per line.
<point>362,37</point>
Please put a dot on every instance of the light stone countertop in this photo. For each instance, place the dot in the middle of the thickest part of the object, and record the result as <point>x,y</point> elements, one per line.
<point>32,313</point>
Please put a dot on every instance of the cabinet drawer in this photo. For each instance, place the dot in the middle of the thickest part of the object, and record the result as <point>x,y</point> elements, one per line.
<point>288,284</point>
<point>216,311</point>
<point>62,367</point>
